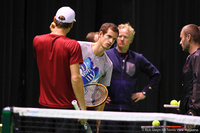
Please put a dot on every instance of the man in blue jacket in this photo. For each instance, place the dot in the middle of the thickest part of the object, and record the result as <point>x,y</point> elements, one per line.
<point>127,66</point>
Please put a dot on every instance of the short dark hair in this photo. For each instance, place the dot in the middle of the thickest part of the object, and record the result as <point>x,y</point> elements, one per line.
<point>194,31</point>
<point>104,28</point>
<point>90,36</point>
<point>60,24</point>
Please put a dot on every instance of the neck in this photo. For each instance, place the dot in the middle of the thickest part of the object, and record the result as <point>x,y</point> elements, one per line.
<point>60,31</point>
<point>98,49</point>
<point>120,50</point>
<point>193,48</point>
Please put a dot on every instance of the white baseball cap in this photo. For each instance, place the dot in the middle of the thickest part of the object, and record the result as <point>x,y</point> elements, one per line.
<point>67,13</point>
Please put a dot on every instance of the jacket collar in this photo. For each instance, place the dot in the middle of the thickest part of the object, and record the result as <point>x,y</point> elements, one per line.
<point>121,54</point>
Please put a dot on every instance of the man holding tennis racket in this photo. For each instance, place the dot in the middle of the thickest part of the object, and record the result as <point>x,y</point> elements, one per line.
<point>127,66</point>
<point>58,59</point>
<point>97,67</point>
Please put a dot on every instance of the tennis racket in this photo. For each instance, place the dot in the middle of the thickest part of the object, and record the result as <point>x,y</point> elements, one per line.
<point>95,94</point>
<point>86,126</point>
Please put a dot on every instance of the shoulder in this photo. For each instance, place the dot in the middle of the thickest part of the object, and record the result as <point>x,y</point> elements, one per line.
<point>110,52</point>
<point>138,57</point>
<point>135,54</point>
<point>196,56</point>
<point>69,42</point>
<point>40,37</point>
<point>197,53</point>
<point>108,59</point>
<point>84,44</point>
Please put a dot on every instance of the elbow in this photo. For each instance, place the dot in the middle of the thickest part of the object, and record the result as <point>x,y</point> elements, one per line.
<point>76,79</point>
<point>159,76</point>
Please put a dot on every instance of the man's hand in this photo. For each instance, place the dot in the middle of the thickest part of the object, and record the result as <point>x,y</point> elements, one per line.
<point>138,96</point>
<point>108,100</point>
<point>82,121</point>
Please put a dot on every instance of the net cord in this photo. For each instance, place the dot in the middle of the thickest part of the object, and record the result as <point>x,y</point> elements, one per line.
<point>105,115</point>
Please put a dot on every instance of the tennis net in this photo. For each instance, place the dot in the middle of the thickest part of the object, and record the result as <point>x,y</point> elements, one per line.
<point>42,120</point>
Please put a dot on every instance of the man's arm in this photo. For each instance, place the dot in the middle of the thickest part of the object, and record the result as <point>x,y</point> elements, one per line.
<point>194,105</point>
<point>77,85</point>
<point>154,78</point>
<point>152,72</point>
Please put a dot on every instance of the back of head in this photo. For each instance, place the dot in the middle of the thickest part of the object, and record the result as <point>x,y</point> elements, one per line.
<point>64,17</point>
<point>104,28</point>
<point>128,27</point>
<point>91,36</point>
<point>194,31</point>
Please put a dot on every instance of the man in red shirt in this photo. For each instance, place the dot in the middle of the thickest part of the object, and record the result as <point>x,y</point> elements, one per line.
<point>58,59</point>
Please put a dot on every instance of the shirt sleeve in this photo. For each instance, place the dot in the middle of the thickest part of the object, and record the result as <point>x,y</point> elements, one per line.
<point>154,75</point>
<point>106,79</point>
<point>195,99</point>
<point>75,53</point>
<point>35,44</point>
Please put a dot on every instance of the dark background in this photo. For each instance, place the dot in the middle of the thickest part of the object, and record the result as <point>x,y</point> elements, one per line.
<point>157,24</point>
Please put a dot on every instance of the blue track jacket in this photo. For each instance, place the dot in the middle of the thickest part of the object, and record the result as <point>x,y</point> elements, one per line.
<point>126,70</point>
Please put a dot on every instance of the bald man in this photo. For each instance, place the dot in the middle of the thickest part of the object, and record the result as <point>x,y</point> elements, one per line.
<point>190,98</point>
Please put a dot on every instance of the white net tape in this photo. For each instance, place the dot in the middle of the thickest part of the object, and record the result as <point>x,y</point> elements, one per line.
<point>106,115</point>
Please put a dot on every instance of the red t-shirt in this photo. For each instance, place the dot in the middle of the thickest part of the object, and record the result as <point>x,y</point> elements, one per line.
<point>54,55</point>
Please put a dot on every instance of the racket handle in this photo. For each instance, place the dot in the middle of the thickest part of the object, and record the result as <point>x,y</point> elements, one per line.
<point>74,103</point>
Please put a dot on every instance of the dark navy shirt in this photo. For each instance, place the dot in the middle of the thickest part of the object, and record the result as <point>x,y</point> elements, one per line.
<point>126,70</point>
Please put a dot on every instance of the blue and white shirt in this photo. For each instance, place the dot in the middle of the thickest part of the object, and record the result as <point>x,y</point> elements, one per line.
<point>95,69</point>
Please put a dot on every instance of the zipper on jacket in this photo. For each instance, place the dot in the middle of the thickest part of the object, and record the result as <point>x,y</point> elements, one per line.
<point>122,75</point>
<point>123,66</point>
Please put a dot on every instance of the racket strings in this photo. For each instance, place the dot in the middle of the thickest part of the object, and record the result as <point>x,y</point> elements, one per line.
<point>95,95</point>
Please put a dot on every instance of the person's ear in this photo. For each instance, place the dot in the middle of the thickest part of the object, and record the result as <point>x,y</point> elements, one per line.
<point>100,33</point>
<point>72,24</point>
<point>132,39</point>
<point>52,26</point>
<point>54,19</point>
<point>189,37</point>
